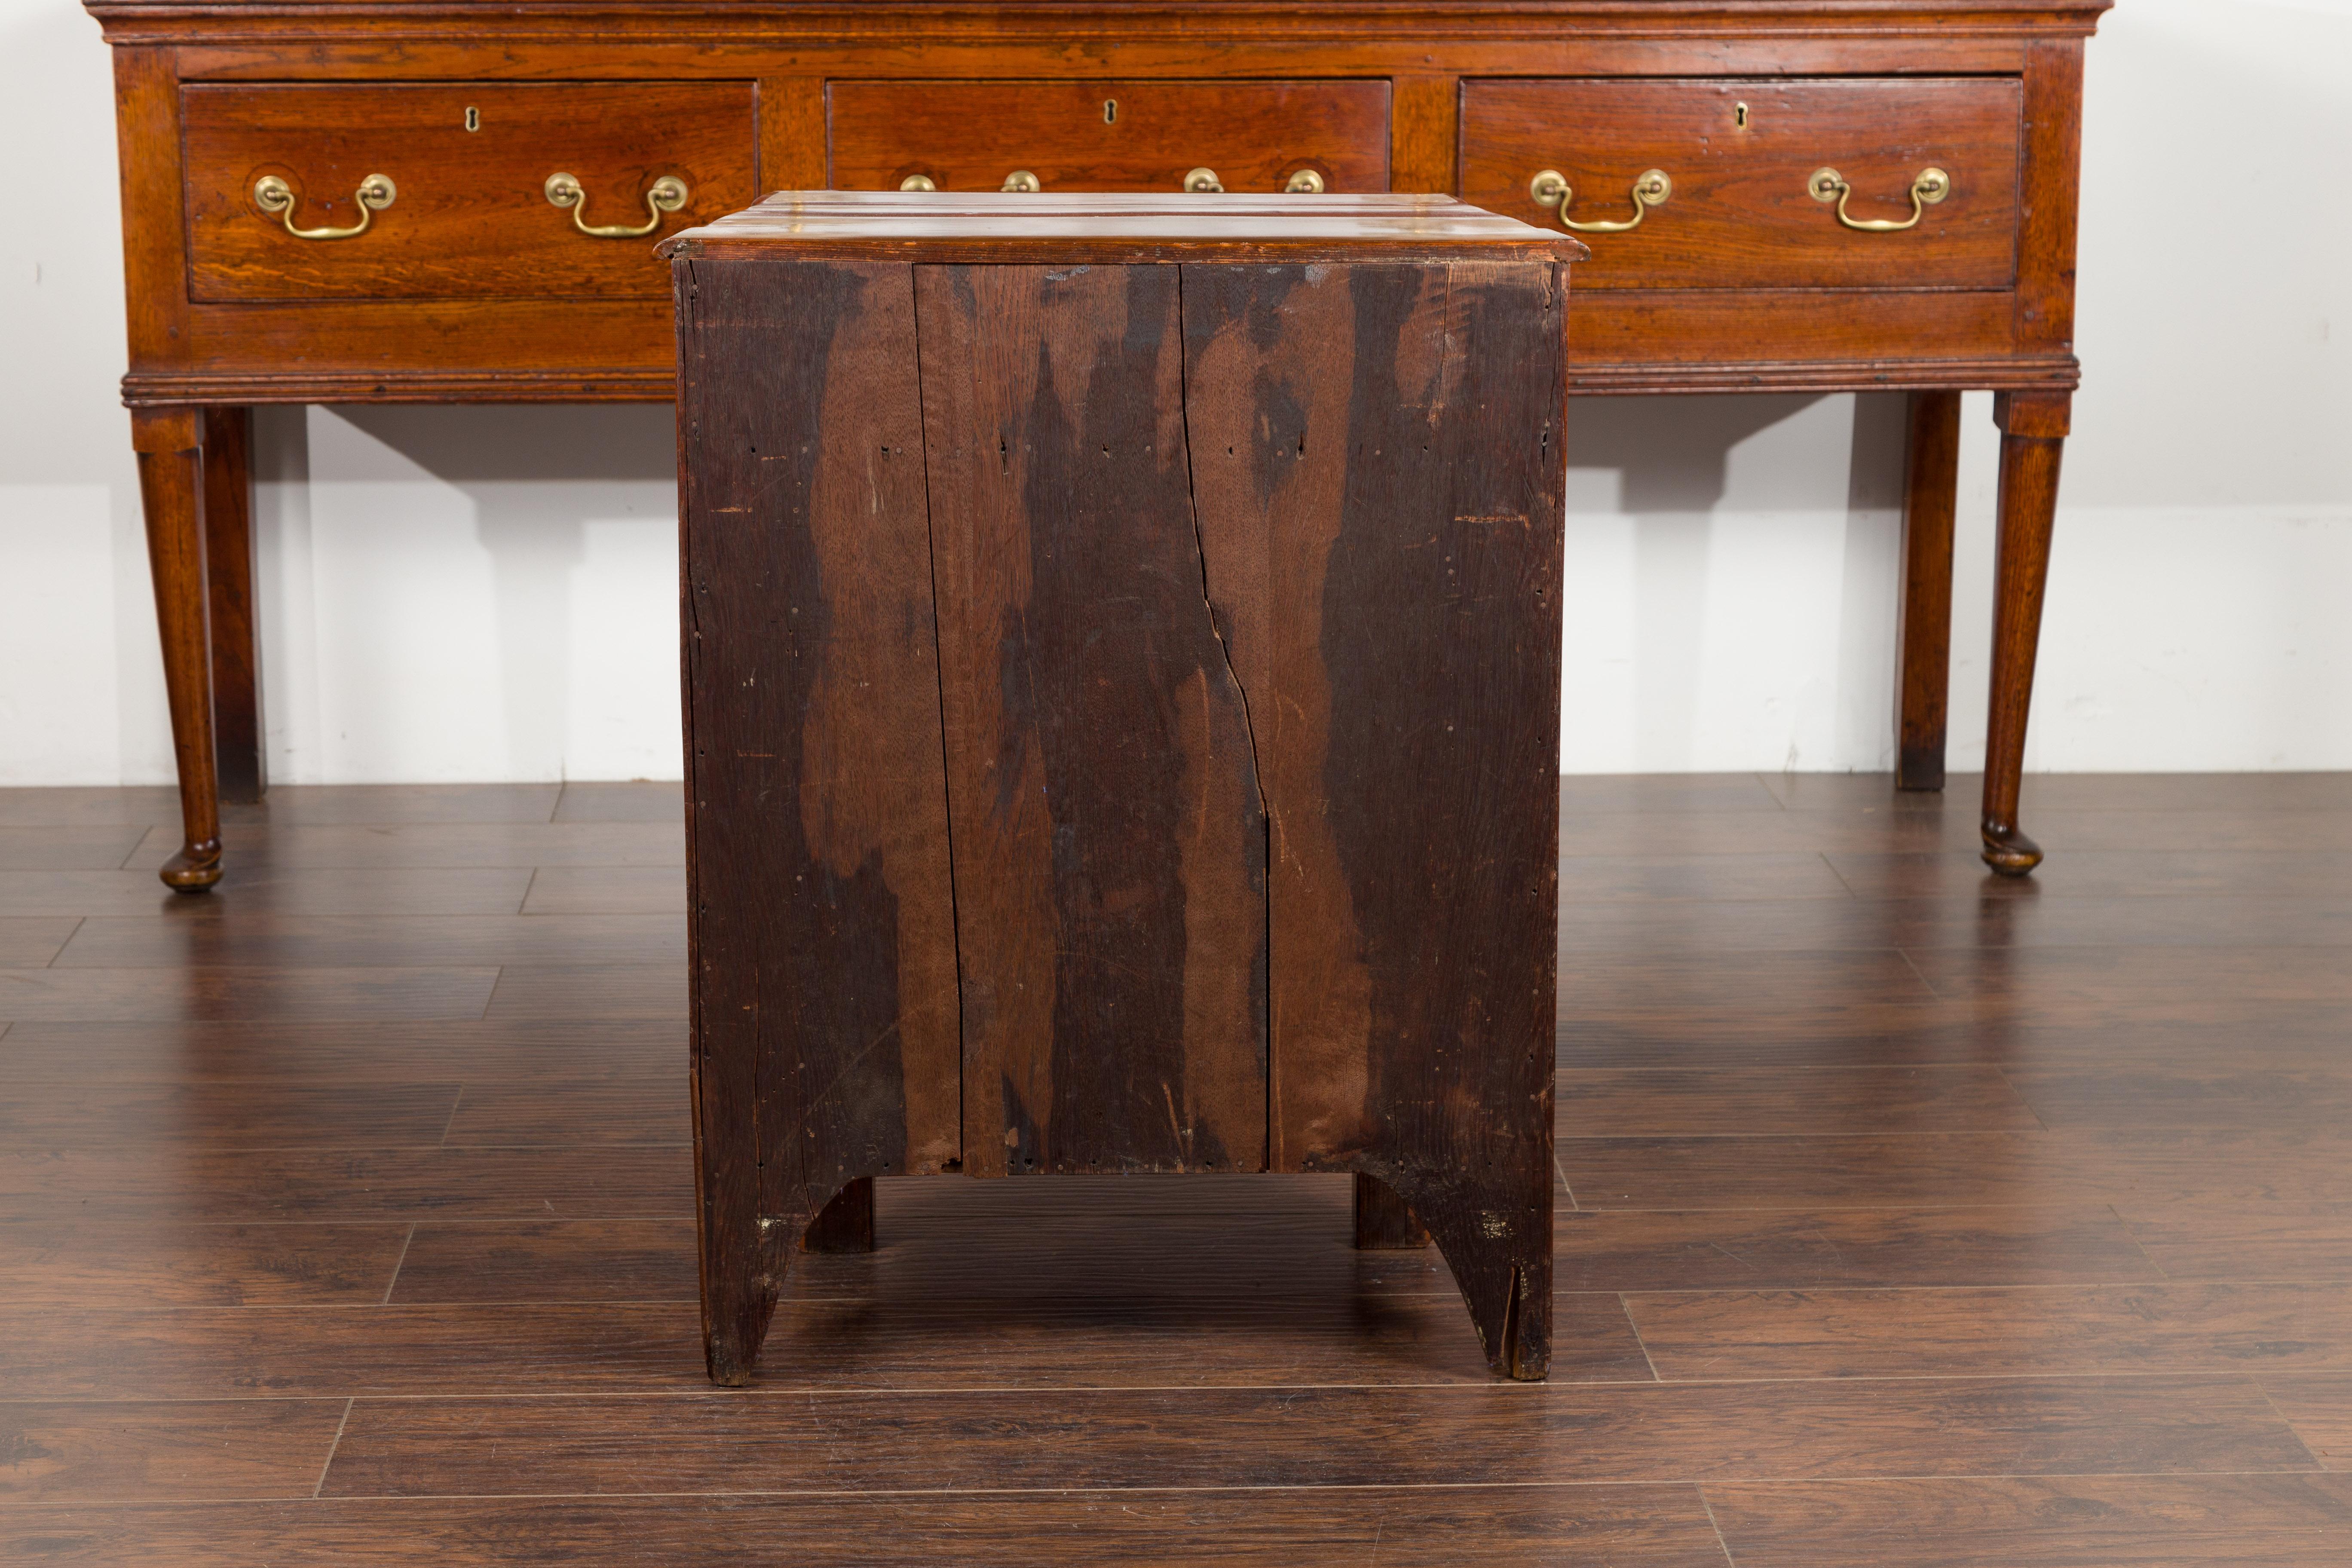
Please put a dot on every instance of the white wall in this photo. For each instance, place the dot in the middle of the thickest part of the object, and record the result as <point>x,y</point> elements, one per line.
<point>480,593</point>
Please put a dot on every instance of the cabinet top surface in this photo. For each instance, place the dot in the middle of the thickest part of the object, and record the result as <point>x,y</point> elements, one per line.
<point>1051,227</point>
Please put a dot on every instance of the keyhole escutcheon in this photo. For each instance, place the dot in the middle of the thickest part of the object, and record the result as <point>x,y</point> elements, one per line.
<point>473,117</point>
<point>1110,112</point>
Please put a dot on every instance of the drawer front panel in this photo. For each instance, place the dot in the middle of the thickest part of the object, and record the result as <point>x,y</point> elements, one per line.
<point>1742,156</point>
<point>470,215</point>
<point>1108,135</point>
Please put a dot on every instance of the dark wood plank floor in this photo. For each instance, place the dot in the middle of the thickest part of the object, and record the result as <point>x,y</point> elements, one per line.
<point>1908,1217</point>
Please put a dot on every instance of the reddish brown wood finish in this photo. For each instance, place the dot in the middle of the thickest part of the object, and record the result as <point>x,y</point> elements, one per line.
<point>1108,135</point>
<point>474,289</point>
<point>1230,563</point>
<point>2032,431</point>
<point>170,445</point>
<point>471,216</point>
<point>1931,472</point>
<point>230,584</point>
<point>1739,214</point>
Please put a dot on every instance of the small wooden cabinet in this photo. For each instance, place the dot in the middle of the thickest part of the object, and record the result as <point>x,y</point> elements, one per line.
<point>1851,196</point>
<point>1122,709</point>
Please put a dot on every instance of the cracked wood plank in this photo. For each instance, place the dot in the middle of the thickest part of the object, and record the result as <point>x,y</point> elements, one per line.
<point>1109,834</point>
<point>826,1037</point>
<point>1376,454</point>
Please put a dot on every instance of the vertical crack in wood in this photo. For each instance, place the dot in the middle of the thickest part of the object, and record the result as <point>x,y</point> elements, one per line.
<point>940,672</point>
<point>1225,652</point>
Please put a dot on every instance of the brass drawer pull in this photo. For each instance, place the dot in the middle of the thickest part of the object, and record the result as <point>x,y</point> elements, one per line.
<point>918,183</point>
<point>1931,186</point>
<point>1305,183</point>
<point>1204,180</point>
<point>1023,182</point>
<point>273,195</point>
<point>1651,188</point>
<point>666,194</point>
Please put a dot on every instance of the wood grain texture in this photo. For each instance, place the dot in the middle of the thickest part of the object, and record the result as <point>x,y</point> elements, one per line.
<point>263,938</point>
<point>1424,114</point>
<point>1616,1527</point>
<point>195,1184</point>
<point>2077,1329</point>
<point>1109,834</point>
<point>1400,620</point>
<point>1768,1100</point>
<point>929,1348</point>
<point>65,1265</point>
<point>342,1051</point>
<point>1716,1249</point>
<point>2030,452</point>
<point>824,937</point>
<point>170,447</point>
<point>82,848</point>
<point>162,995</point>
<point>1740,214</point>
<point>1923,622</point>
<point>2073,1522</point>
<point>124,1451</point>
<point>2259,1238</point>
<point>1108,135</point>
<point>547,1260</point>
<point>470,217</point>
<point>472,288</point>
<point>898,1441</point>
<point>637,800</point>
<point>2320,1411</point>
<point>1973,1357</point>
<point>229,586</point>
<point>245,1115</point>
<point>33,942</point>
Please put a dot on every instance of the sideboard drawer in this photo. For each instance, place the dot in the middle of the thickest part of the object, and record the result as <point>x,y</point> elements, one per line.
<point>1108,135</point>
<point>1744,162</point>
<point>468,166</point>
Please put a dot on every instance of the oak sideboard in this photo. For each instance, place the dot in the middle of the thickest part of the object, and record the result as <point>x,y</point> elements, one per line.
<point>354,201</point>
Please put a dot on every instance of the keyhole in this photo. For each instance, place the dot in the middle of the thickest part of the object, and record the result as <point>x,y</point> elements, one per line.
<point>1739,115</point>
<point>1110,112</point>
<point>473,117</point>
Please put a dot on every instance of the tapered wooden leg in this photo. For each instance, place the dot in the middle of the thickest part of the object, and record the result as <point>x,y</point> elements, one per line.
<point>228,572</point>
<point>1924,622</point>
<point>2033,428</point>
<point>170,449</point>
<point>1383,1222</point>
<point>844,1224</point>
<point>1494,1229</point>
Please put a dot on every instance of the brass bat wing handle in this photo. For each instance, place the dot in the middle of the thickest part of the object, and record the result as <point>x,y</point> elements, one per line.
<point>1931,185</point>
<point>1550,189</point>
<point>272,194</point>
<point>665,196</point>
